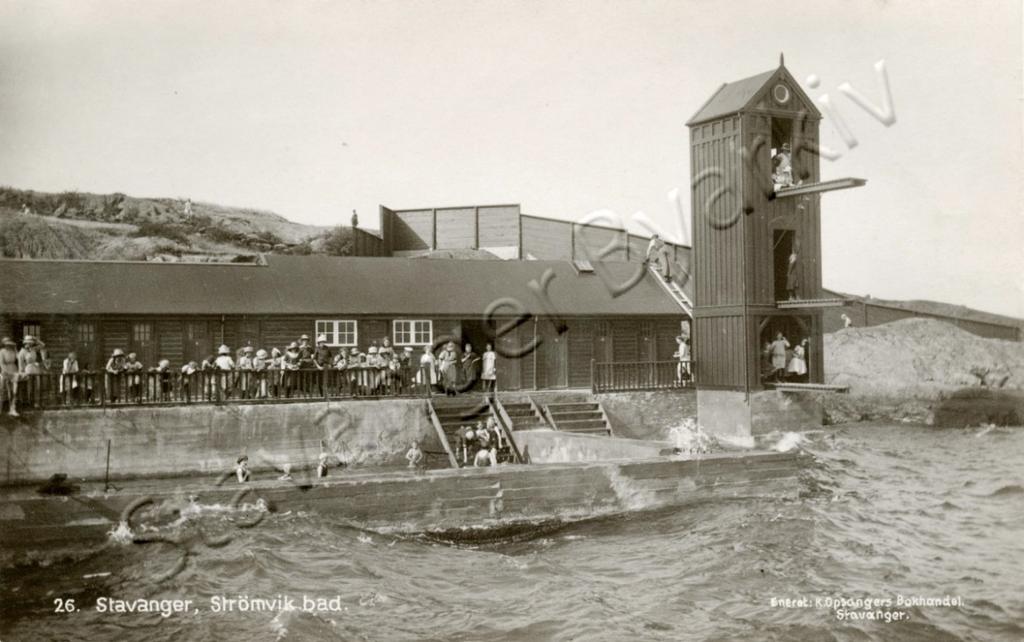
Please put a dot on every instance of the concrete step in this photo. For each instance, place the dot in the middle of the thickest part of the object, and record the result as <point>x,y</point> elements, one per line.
<point>582,423</point>
<point>569,416</point>
<point>596,430</point>
<point>573,407</point>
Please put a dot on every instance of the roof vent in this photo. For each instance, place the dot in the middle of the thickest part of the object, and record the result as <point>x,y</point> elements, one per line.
<point>583,267</point>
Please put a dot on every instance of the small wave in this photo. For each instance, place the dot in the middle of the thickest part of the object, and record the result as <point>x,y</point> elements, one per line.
<point>121,534</point>
<point>1012,489</point>
<point>788,442</point>
<point>372,598</point>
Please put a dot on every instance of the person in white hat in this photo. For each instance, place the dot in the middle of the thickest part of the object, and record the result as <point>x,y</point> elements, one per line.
<point>306,351</point>
<point>9,375</point>
<point>224,365</point>
<point>275,373</point>
<point>115,374</point>
<point>290,365</point>
<point>322,358</point>
<point>260,364</point>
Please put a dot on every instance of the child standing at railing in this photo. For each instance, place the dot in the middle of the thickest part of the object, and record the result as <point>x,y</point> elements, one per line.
<point>69,379</point>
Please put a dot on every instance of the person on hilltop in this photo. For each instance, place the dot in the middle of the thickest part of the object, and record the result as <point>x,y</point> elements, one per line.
<point>9,375</point>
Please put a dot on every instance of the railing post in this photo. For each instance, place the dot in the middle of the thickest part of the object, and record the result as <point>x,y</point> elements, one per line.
<point>593,381</point>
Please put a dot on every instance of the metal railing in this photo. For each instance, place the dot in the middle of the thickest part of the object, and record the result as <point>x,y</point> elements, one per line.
<point>641,375</point>
<point>101,389</point>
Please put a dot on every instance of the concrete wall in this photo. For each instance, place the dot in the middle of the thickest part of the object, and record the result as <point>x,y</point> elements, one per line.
<point>648,415</point>
<point>557,447</point>
<point>208,439</point>
<point>735,414</point>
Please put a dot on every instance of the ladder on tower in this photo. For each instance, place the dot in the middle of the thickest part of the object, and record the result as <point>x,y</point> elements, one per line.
<point>673,290</point>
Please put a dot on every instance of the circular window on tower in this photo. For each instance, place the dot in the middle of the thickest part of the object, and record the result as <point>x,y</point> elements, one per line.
<point>781,93</point>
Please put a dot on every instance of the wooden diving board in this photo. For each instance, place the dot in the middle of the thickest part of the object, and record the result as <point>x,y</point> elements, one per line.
<point>817,188</point>
<point>796,304</point>
<point>808,387</point>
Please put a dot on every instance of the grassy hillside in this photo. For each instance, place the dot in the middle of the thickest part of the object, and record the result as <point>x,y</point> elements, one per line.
<point>77,225</point>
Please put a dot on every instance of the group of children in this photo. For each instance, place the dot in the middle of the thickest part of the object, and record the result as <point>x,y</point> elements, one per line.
<point>480,444</point>
<point>783,363</point>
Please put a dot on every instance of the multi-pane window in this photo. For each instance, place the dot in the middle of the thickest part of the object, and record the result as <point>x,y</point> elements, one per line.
<point>413,332</point>
<point>85,332</point>
<point>32,329</point>
<point>338,332</point>
<point>142,332</point>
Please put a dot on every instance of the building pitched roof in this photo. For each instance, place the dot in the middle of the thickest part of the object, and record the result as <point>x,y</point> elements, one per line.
<point>731,97</point>
<point>303,285</point>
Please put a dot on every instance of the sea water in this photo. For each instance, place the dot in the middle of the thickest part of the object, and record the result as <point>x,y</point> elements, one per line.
<point>898,533</point>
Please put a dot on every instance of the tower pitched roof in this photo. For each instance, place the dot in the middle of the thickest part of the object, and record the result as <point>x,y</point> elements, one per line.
<point>735,96</point>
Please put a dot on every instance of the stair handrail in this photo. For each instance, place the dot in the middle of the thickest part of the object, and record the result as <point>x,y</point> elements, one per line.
<point>505,422</point>
<point>441,434</point>
<point>537,412</point>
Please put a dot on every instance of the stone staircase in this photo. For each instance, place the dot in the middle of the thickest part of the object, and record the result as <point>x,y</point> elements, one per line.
<point>452,414</point>
<point>579,416</point>
<point>523,415</point>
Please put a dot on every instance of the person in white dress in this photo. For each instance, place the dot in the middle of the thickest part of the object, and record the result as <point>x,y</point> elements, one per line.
<point>428,371</point>
<point>797,367</point>
<point>490,372</point>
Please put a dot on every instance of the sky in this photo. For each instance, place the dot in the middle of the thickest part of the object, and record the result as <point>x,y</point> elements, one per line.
<point>313,109</point>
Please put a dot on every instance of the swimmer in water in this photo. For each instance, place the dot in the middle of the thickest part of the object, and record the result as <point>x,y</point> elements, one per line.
<point>242,469</point>
<point>415,455</point>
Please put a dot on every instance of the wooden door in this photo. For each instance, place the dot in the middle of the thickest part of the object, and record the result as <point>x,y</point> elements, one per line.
<point>142,341</point>
<point>198,342</point>
<point>509,359</point>
<point>552,361</point>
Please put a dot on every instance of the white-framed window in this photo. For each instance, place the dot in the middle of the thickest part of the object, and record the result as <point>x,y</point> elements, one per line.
<point>413,332</point>
<point>342,332</point>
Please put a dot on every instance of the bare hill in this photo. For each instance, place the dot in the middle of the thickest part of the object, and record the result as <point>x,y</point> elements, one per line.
<point>77,225</point>
<point>920,358</point>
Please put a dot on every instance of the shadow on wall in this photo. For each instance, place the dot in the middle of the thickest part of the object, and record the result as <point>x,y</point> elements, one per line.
<point>648,415</point>
<point>977,406</point>
<point>374,438</point>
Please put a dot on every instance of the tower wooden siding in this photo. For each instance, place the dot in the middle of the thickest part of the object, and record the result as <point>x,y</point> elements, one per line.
<point>735,216</point>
